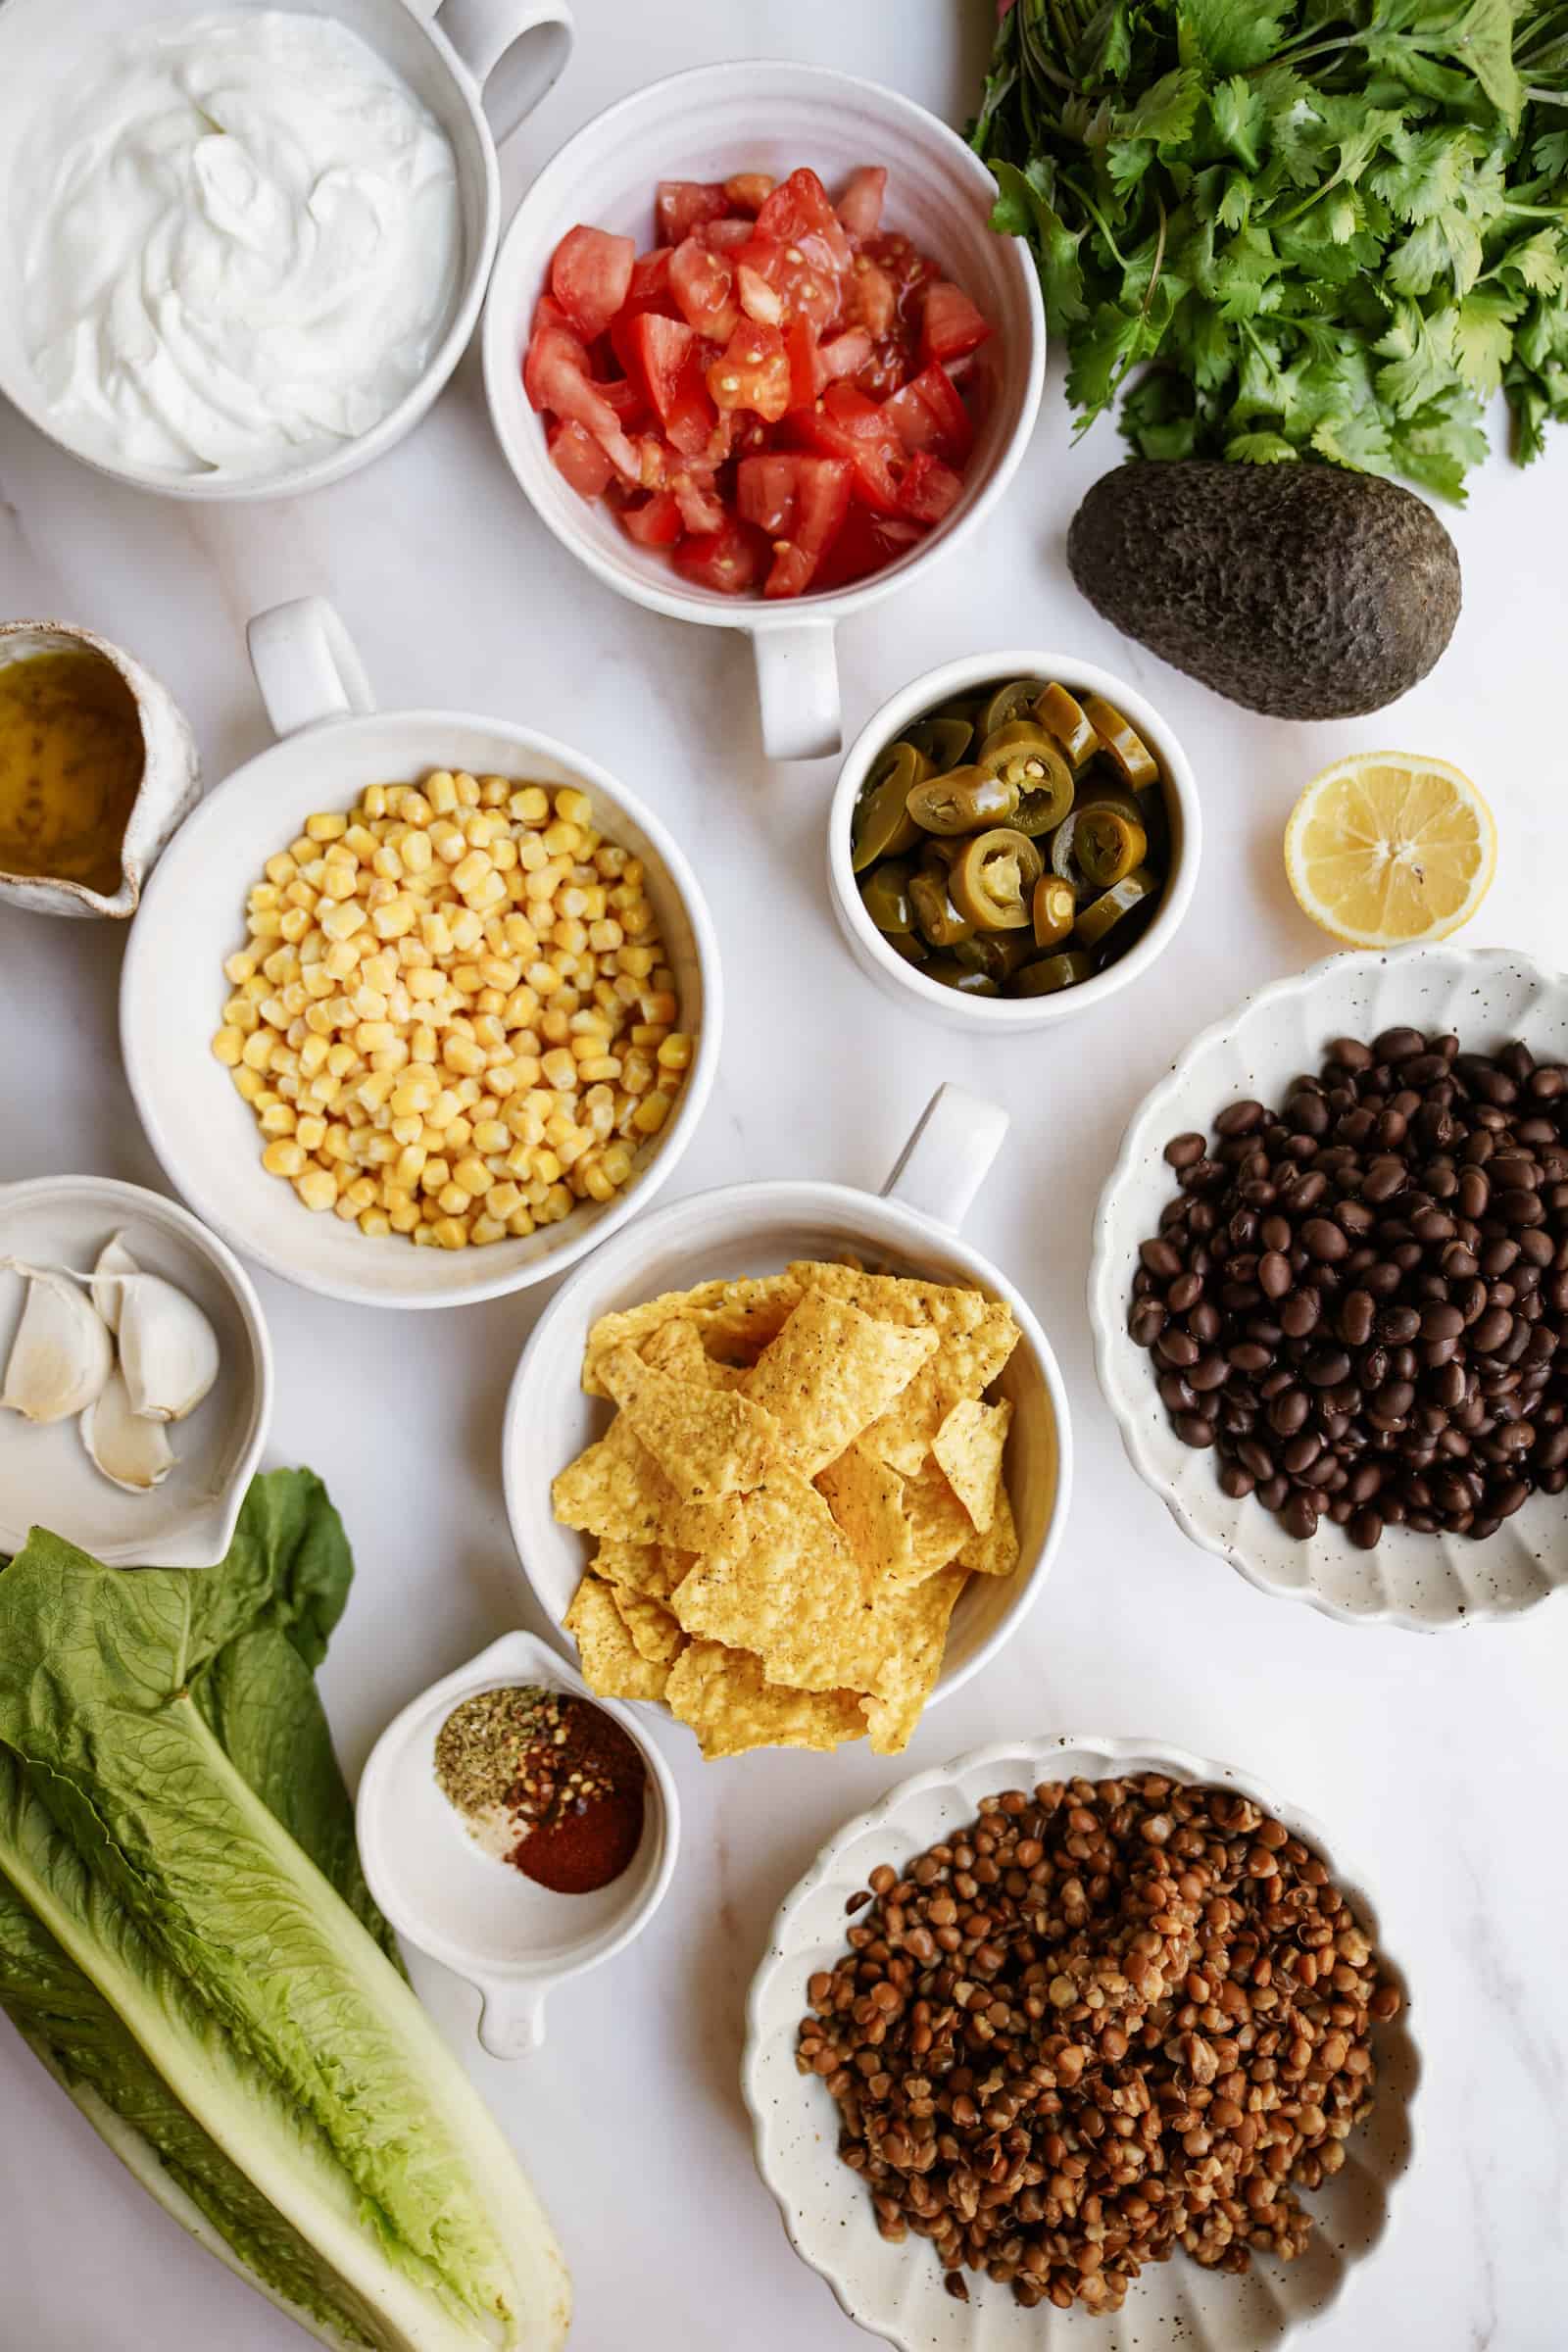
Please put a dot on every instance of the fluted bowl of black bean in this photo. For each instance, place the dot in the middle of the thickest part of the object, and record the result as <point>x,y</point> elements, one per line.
<point>1330,1288</point>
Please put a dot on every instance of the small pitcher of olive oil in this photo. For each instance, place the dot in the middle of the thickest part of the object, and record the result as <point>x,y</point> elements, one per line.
<point>97,767</point>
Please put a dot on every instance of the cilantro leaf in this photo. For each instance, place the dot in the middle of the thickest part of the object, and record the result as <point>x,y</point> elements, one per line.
<point>1260,448</point>
<point>1229,36</point>
<point>1022,211</point>
<point>1238,114</point>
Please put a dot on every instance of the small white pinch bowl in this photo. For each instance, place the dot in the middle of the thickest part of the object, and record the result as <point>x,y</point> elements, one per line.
<point>46,1478</point>
<point>1004,1017</point>
<point>911,1227</point>
<point>332,743</point>
<point>511,1939</point>
<point>171,774</point>
<point>479,65</point>
<point>1425,1583</point>
<point>896,2291</point>
<point>763,115</point>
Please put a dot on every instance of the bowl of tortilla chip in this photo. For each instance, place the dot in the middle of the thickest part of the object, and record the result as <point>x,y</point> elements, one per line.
<point>791,1459</point>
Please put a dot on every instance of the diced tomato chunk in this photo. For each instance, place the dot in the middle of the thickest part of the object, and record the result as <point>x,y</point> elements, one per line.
<point>874,298</point>
<point>556,376</point>
<point>726,236</point>
<point>748,191</point>
<point>753,372</point>
<point>579,458</point>
<point>625,398</point>
<point>859,205</point>
<point>765,492</point>
<point>949,322</point>
<point>802,287</point>
<point>928,488</point>
<point>681,204</point>
<point>590,277</point>
<point>807,375</point>
<point>929,413</point>
<point>701,510</point>
<point>729,559</point>
<point>867,543</point>
<point>798,209</point>
<point>703,286</point>
<point>547,312</point>
<point>666,362</point>
<point>653,521</point>
<point>846,424</point>
<point>757,297</point>
<point>847,354</point>
<point>820,503</point>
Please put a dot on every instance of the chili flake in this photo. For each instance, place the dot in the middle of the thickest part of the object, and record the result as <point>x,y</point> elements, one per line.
<point>544,1781</point>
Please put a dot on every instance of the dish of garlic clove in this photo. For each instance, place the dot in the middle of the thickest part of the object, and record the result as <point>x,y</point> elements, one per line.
<point>123,1351</point>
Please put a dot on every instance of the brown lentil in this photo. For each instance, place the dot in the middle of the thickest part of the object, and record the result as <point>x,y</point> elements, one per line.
<point>1361,1300</point>
<point>1130,2046</point>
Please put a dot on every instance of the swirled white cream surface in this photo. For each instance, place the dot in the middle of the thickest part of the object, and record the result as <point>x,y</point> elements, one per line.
<point>241,242</point>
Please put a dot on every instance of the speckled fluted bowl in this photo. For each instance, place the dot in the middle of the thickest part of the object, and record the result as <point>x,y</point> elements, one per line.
<point>1483,997</point>
<point>896,2291</point>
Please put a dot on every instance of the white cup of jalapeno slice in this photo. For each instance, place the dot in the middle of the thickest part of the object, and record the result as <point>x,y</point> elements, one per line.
<point>1013,838</point>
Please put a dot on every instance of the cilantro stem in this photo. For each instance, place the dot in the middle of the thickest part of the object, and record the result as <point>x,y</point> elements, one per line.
<point>1097,218</point>
<point>1547,97</point>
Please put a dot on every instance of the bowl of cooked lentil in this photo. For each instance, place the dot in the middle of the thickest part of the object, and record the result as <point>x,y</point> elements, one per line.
<point>1330,1288</point>
<point>427,1004</point>
<point>1076,2027</point>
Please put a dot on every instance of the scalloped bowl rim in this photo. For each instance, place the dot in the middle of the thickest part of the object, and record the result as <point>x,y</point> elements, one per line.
<point>1061,1757</point>
<point>1106,1312</point>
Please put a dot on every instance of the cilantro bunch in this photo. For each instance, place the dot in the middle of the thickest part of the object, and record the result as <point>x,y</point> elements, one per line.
<point>1330,227</point>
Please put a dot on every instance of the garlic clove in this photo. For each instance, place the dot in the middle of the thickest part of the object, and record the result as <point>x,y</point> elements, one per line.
<point>61,1355</point>
<point>108,1294</point>
<point>168,1350</point>
<point>128,1449</point>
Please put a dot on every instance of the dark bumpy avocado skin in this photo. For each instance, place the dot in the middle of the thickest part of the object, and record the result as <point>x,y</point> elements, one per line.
<point>1296,589</point>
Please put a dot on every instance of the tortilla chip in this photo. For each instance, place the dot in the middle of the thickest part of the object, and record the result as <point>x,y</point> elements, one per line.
<point>722,1694</point>
<point>968,1447</point>
<point>893,1297</point>
<point>708,1442</point>
<point>736,1321</point>
<point>782,1580</point>
<point>655,1633</point>
<point>964,1366</point>
<point>611,1663</point>
<point>867,1499</point>
<point>939,1525</point>
<point>915,1625</point>
<point>651,1568</point>
<point>616,1490</point>
<point>831,1371</point>
<point>677,1347</point>
<point>995,1552</point>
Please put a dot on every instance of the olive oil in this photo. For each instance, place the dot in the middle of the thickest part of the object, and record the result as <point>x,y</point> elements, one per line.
<point>71,763</point>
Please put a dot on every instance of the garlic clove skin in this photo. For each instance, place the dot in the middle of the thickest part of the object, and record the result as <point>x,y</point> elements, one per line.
<point>168,1350</point>
<point>62,1353</point>
<point>108,1296</point>
<point>125,1448</point>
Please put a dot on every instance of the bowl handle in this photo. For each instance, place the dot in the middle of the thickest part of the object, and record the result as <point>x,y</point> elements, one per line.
<point>949,1156</point>
<point>511,2022</point>
<point>797,681</point>
<point>306,665</point>
<point>516,50</point>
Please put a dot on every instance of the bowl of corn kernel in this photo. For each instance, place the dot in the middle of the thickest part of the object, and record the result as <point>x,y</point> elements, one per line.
<point>418,1006</point>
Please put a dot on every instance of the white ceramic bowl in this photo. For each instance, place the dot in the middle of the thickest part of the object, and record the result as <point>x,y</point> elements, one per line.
<point>911,1227</point>
<point>1003,1016</point>
<point>46,1478</point>
<point>511,1938</point>
<point>896,2291</point>
<point>763,115</point>
<point>1485,997</point>
<point>479,70</point>
<point>172,989</point>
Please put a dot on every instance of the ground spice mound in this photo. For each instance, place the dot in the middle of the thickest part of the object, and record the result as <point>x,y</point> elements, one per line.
<point>1104,2020</point>
<point>558,1770</point>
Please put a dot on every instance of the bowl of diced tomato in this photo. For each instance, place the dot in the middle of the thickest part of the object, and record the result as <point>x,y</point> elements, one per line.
<point>754,353</point>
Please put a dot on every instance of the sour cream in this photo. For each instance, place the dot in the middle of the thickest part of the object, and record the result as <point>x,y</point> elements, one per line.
<point>241,243</point>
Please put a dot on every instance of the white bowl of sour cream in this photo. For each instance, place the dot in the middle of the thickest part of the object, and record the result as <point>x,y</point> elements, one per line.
<point>244,246</point>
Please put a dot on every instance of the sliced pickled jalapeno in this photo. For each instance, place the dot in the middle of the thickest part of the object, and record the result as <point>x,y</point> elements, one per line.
<point>936,917</point>
<point>944,741</point>
<point>883,826</point>
<point>909,945</point>
<point>965,800</point>
<point>1065,720</point>
<point>963,977</point>
<point>993,878</point>
<point>1048,973</point>
<point>885,894</point>
<point>1102,914</point>
<point>999,952</point>
<point>1125,747</point>
<point>1004,704</point>
<point>1107,846</point>
<point>1023,754</point>
<point>1063,855</point>
<point>1054,910</point>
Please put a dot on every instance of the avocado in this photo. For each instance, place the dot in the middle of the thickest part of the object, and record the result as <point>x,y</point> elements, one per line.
<point>1298,589</point>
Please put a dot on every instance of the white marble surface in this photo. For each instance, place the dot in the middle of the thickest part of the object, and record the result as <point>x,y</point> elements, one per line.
<point>1439,1764</point>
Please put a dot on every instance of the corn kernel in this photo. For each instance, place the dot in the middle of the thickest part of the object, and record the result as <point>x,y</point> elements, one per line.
<point>228,1044</point>
<point>651,1113</point>
<point>317,1188</point>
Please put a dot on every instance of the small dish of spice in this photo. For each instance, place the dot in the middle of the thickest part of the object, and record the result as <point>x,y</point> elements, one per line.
<point>517,1828</point>
<point>545,1782</point>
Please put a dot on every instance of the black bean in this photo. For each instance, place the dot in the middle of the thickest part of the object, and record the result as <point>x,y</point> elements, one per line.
<point>1299,1314</point>
<point>1147,1321</point>
<point>1184,1150</point>
<point>1398,1045</point>
<point>1194,1428</point>
<point>1274,1273</point>
<point>1177,1348</point>
<point>1161,1259</point>
<point>1299,1518</point>
<point>1357,1315</point>
<point>1239,1118</point>
<point>1492,1330</point>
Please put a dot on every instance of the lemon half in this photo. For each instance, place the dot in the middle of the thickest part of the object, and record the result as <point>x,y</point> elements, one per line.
<point>1386,848</point>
